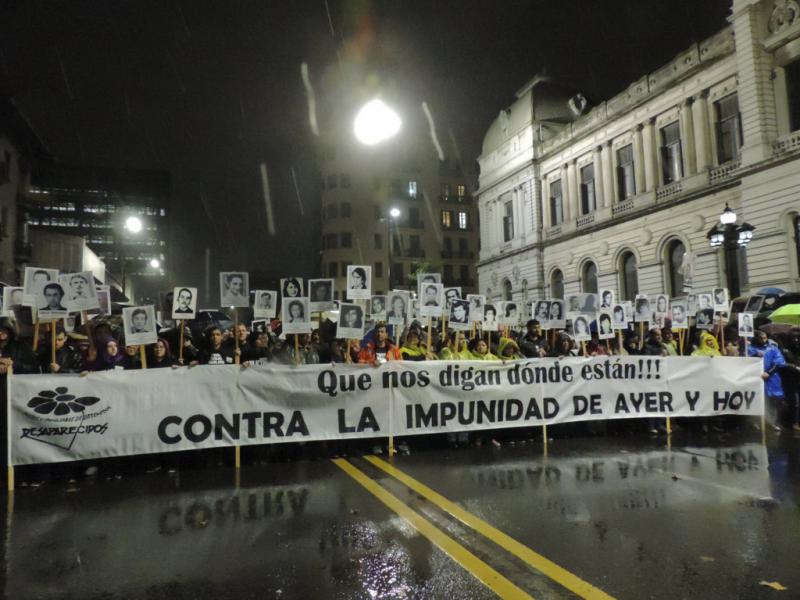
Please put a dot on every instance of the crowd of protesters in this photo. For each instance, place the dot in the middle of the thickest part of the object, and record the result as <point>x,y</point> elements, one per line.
<point>101,347</point>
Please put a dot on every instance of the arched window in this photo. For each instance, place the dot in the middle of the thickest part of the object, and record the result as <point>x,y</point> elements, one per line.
<point>506,290</point>
<point>524,290</point>
<point>589,278</point>
<point>557,284</point>
<point>628,276</point>
<point>674,261</point>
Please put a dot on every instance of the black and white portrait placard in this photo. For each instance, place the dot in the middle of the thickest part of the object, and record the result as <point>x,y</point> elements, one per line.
<point>679,313</point>
<point>184,303</point>
<point>573,304</point>
<point>34,281</point>
<point>705,301</point>
<point>691,303</point>
<point>581,328</point>
<point>509,314</point>
<point>661,308</point>
<point>12,296</point>
<point>359,282</point>
<point>643,313</point>
<point>459,315</point>
<point>104,298</point>
<point>431,301</point>
<point>292,287</point>
<point>377,307</point>
<point>51,302</point>
<point>476,302</point>
<point>428,278</point>
<point>618,320</point>
<point>746,324</point>
<point>588,304</point>
<point>450,294</point>
<point>704,318</point>
<point>605,324</point>
<point>490,322</point>
<point>265,304</point>
<point>398,305</point>
<point>260,326</point>
<point>80,291</point>
<point>558,318</point>
<point>139,324</point>
<point>606,299</point>
<point>234,289</point>
<point>540,311</point>
<point>351,321</point>
<point>721,300</point>
<point>628,306</point>
<point>295,315</point>
<point>753,304</point>
<point>320,294</point>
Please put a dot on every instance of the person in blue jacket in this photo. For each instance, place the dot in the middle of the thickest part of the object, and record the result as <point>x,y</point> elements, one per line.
<point>773,361</point>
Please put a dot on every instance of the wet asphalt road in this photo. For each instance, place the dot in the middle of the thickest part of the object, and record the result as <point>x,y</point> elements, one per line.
<point>712,518</point>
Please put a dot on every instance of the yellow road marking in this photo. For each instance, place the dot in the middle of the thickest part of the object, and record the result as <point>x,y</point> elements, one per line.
<point>555,572</point>
<point>474,565</point>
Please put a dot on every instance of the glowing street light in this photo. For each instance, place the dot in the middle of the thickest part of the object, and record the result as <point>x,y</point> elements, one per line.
<point>394,212</point>
<point>155,263</point>
<point>133,224</point>
<point>376,122</point>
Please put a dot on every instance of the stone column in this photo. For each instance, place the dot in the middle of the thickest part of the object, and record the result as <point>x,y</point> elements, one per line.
<point>650,151</point>
<point>609,189</point>
<point>687,138</point>
<point>702,141</point>
<point>638,158</point>
<point>545,196</point>
<point>599,183</point>
<point>754,69</point>
<point>566,192</point>
<point>575,200</point>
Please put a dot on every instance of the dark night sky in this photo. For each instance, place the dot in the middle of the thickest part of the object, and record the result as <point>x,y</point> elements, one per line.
<point>208,90</point>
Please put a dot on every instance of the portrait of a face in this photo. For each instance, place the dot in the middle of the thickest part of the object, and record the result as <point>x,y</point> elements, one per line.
<point>359,282</point>
<point>292,288</point>
<point>351,321</point>
<point>459,312</point>
<point>580,327</point>
<point>661,304</point>
<point>139,325</point>
<point>378,306</point>
<point>234,289</point>
<point>542,312</point>
<point>52,296</point>
<point>264,301</point>
<point>35,279</point>
<point>139,321</point>
<point>489,315</point>
<point>398,307</point>
<point>606,299</point>
<point>556,311</point>
<point>78,286</point>
<point>604,323</point>
<point>451,294</point>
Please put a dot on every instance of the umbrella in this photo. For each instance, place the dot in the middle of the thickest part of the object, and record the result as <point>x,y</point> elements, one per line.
<point>786,314</point>
<point>773,329</point>
<point>771,290</point>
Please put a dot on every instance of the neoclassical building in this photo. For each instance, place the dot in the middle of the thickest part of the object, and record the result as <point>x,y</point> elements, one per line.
<point>624,194</point>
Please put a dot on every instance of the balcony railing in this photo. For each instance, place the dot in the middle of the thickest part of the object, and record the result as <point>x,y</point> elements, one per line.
<point>584,220</point>
<point>620,208</point>
<point>465,254</point>
<point>787,143</point>
<point>669,190</point>
<point>724,171</point>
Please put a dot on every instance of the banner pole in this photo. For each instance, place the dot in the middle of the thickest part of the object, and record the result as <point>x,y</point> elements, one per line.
<point>36,334</point>
<point>296,350</point>
<point>10,469</point>
<point>180,345</point>
<point>391,450</point>
<point>641,334</point>
<point>619,341</point>
<point>544,439</point>
<point>347,358</point>
<point>143,356</point>
<point>430,333</point>
<point>53,340</point>
<point>236,336</point>
<point>237,456</point>
<point>608,346</point>
<point>583,349</point>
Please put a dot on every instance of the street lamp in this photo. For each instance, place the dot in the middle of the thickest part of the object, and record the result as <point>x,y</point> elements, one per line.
<point>730,237</point>
<point>155,263</point>
<point>133,224</point>
<point>376,122</point>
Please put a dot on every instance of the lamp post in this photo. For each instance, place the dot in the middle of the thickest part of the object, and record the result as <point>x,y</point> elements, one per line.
<point>730,237</point>
<point>394,213</point>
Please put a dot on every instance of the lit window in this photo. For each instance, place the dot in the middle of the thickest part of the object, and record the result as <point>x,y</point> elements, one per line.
<point>463,220</point>
<point>447,216</point>
<point>445,191</point>
<point>412,189</point>
<point>461,191</point>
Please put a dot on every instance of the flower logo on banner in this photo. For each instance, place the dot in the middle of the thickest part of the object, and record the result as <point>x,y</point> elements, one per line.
<point>59,402</point>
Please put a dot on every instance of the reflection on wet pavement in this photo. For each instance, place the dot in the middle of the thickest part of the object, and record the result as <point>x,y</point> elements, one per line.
<point>708,519</point>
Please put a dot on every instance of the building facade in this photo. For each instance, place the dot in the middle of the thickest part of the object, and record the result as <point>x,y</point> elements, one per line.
<point>436,224</point>
<point>94,204</point>
<point>623,195</point>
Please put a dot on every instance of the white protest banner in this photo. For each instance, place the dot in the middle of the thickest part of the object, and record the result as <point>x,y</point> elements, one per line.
<point>55,418</point>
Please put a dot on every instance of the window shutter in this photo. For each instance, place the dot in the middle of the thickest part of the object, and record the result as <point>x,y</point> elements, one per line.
<point>664,151</point>
<point>622,190</point>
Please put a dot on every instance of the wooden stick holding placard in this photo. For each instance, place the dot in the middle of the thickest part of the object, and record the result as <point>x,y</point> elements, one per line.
<point>430,334</point>
<point>10,467</point>
<point>143,356</point>
<point>53,340</point>
<point>347,358</point>
<point>180,346</point>
<point>641,335</point>
<point>583,349</point>
<point>36,334</point>
<point>296,349</point>
<point>236,336</point>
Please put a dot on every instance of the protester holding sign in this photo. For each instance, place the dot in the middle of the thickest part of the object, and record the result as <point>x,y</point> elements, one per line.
<point>14,353</point>
<point>68,358</point>
<point>761,347</point>
<point>533,344</point>
<point>216,352</point>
